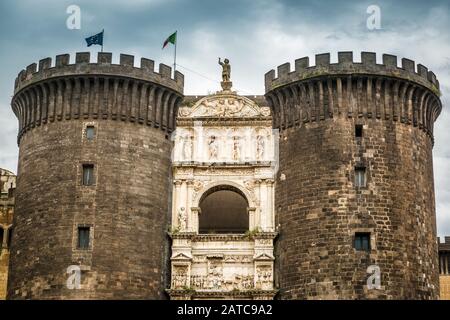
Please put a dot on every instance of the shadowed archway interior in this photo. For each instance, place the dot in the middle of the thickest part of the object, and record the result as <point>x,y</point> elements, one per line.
<point>223,210</point>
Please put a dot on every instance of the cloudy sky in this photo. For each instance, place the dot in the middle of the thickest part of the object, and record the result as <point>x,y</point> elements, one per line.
<point>255,35</point>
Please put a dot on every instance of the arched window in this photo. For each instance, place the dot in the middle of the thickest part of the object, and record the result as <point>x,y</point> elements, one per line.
<point>223,210</point>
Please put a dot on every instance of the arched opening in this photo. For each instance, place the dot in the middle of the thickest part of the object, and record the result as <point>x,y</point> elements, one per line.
<point>223,210</point>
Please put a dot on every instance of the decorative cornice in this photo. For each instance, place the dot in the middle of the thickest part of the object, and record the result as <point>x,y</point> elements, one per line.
<point>193,236</point>
<point>232,293</point>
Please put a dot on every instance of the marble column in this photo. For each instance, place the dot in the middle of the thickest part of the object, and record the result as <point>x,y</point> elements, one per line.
<point>270,205</point>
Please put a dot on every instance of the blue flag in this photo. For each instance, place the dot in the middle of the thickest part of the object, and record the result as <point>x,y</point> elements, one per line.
<point>95,39</point>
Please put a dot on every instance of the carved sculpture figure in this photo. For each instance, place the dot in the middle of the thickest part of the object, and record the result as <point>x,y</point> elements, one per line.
<point>182,219</point>
<point>226,70</point>
<point>180,277</point>
<point>187,147</point>
<point>226,75</point>
<point>260,144</point>
<point>236,149</point>
<point>264,277</point>
<point>213,148</point>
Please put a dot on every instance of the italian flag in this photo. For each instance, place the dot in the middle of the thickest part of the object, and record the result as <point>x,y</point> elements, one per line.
<point>172,39</point>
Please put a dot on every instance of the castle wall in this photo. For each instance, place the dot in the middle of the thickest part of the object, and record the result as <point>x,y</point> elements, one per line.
<point>444,268</point>
<point>126,208</point>
<point>444,282</point>
<point>7,186</point>
<point>319,208</point>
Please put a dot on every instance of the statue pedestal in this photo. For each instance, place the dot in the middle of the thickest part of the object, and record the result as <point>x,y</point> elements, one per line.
<point>226,85</point>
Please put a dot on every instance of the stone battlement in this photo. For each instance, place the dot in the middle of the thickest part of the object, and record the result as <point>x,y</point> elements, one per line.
<point>347,65</point>
<point>104,66</point>
<point>93,90</point>
<point>446,240</point>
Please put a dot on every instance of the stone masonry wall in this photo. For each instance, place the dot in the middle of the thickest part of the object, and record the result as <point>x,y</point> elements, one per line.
<point>127,209</point>
<point>133,111</point>
<point>7,186</point>
<point>319,208</point>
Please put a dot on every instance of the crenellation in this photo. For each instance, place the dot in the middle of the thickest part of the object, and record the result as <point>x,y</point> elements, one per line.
<point>323,60</point>
<point>408,65</point>
<point>74,91</point>
<point>32,68</point>
<point>284,70</point>
<point>300,64</point>
<point>45,64</point>
<point>363,88</point>
<point>269,77</point>
<point>432,78</point>
<point>103,66</point>
<point>347,64</point>
<point>345,57</point>
<point>22,75</point>
<point>179,78</point>
<point>148,65</point>
<point>422,71</point>
<point>390,61</point>
<point>368,58</point>
<point>82,57</point>
<point>104,57</point>
<point>165,71</point>
<point>62,60</point>
<point>126,60</point>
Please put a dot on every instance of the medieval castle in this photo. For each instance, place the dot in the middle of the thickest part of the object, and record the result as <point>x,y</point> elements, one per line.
<point>320,189</point>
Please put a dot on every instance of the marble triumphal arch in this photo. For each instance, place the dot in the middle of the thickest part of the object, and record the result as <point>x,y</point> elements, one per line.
<point>223,217</point>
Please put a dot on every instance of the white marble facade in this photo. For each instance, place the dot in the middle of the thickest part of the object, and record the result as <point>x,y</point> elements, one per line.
<point>223,140</point>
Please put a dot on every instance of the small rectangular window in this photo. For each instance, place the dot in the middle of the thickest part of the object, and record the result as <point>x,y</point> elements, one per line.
<point>358,131</point>
<point>362,241</point>
<point>90,132</point>
<point>360,177</point>
<point>88,174</point>
<point>1,238</point>
<point>83,237</point>
<point>10,235</point>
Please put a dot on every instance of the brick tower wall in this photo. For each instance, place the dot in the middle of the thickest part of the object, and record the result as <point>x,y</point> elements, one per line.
<point>133,111</point>
<point>319,209</point>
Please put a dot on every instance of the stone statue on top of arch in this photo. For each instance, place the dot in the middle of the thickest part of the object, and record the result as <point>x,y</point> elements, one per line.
<point>226,74</point>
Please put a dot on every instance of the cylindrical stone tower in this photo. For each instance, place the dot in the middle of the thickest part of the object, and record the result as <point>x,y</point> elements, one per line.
<point>356,178</point>
<point>93,178</point>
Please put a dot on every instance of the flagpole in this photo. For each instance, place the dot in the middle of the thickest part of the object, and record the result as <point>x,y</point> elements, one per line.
<point>175,56</point>
<point>103,38</point>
